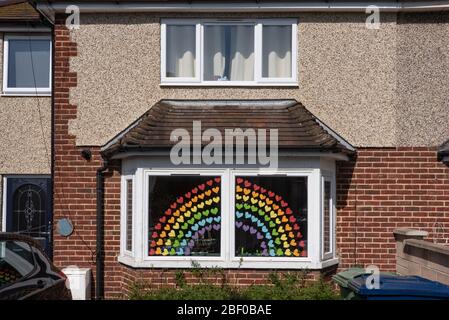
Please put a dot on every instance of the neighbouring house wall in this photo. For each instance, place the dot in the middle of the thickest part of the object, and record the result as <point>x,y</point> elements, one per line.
<point>415,256</point>
<point>25,124</point>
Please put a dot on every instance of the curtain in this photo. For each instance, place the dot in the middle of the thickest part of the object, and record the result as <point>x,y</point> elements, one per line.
<point>180,49</point>
<point>277,55</point>
<point>229,53</point>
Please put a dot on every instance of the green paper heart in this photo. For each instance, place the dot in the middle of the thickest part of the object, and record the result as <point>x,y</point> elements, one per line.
<point>205,213</point>
<point>247,206</point>
<point>272,224</point>
<point>277,241</point>
<point>197,216</point>
<point>172,251</point>
<point>279,252</point>
<point>176,244</point>
<point>214,210</point>
<point>267,218</point>
<point>180,232</point>
<point>254,209</point>
<point>274,233</point>
<point>185,226</point>
<point>239,206</point>
<point>191,221</point>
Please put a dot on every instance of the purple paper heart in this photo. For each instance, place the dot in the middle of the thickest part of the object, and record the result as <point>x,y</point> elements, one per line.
<point>238,224</point>
<point>216,226</point>
<point>259,236</point>
<point>209,228</point>
<point>245,227</point>
<point>202,231</point>
<point>191,243</point>
<point>263,245</point>
<point>195,236</point>
<point>265,252</point>
<point>187,251</point>
<point>252,230</point>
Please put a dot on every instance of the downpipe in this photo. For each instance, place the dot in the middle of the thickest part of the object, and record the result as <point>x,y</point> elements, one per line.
<point>99,252</point>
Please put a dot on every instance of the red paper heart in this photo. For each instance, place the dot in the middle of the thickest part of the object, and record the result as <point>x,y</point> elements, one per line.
<point>194,191</point>
<point>278,198</point>
<point>152,252</point>
<point>163,219</point>
<point>180,200</point>
<point>239,180</point>
<point>270,194</point>
<point>158,226</point>
<point>153,244</point>
<point>168,212</point>
<point>210,182</point>
<point>173,205</point>
<point>154,235</point>
<point>284,204</point>
<point>288,211</point>
<point>295,227</point>
<point>188,194</point>
<point>256,187</point>
<point>262,190</point>
<point>292,219</point>
<point>247,183</point>
<point>202,186</point>
<point>217,180</point>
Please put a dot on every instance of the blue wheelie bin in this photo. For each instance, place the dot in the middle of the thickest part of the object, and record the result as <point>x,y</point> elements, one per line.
<point>394,287</point>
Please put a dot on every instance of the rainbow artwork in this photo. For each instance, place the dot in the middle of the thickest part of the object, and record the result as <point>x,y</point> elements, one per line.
<point>258,211</point>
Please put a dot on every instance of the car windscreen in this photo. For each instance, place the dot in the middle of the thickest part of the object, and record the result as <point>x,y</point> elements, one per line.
<point>16,261</point>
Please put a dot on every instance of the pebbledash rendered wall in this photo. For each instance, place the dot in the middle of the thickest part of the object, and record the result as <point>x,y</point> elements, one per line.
<point>107,74</point>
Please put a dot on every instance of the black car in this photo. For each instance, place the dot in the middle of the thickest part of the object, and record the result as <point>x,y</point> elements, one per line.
<point>27,273</point>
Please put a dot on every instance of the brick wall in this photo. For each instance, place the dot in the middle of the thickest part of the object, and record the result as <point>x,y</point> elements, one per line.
<point>387,189</point>
<point>383,190</point>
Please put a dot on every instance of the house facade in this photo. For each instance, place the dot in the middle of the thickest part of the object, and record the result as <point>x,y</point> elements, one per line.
<point>360,114</point>
<point>25,121</point>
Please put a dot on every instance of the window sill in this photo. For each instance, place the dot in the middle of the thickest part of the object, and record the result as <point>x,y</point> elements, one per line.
<point>186,263</point>
<point>26,94</point>
<point>228,84</point>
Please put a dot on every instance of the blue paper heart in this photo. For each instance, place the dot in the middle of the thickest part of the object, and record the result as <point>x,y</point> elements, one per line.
<point>260,225</point>
<point>254,219</point>
<point>184,242</point>
<point>239,214</point>
<point>272,253</point>
<point>268,235</point>
<point>180,252</point>
<point>264,229</point>
<point>195,227</point>
<point>201,223</point>
<point>247,215</point>
<point>209,220</point>
<point>189,234</point>
<point>271,244</point>
<point>217,219</point>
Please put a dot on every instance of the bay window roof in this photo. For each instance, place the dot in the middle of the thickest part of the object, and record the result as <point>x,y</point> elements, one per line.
<point>298,129</point>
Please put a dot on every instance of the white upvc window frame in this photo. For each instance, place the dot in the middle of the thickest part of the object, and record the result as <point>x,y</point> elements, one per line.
<point>123,219</point>
<point>258,80</point>
<point>41,91</point>
<point>139,258</point>
<point>327,176</point>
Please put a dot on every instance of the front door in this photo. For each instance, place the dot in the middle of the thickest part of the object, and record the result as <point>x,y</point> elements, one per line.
<point>28,208</point>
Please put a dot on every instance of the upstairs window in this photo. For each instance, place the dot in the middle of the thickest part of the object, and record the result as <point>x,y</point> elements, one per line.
<point>223,53</point>
<point>27,64</point>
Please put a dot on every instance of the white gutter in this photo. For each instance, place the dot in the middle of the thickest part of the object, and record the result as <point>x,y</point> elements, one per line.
<point>311,6</point>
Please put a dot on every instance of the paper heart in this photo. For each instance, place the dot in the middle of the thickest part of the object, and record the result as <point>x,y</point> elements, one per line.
<point>160,242</point>
<point>152,252</point>
<point>172,234</point>
<point>295,227</point>
<point>216,189</point>
<point>173,205</point>
<point>268,201</point>
<point>167,227</point>
<point>180,252</point>
<point>270,243</point>
<point>278,198</point>
<point>245,227</point>
<point>288,211</point>
<point>208,193</point>
<point>154,235</point>
<point>239,206</point>
<point>194,199</point>
<point>284,204</point>
<point>248,215</point>
<point>189,234</point>
<point>270,194</point>
<point>188,195</point>
<point>202,186</point>
<point>247,183</point>
<point>163,234</point>
<point>162,219</point>
<point>187,251</point>
<point>268,235</point>
<point>185,226</point>
<point>195,227</point>
<point>195,190</point>
<point>286,245</point>
<point>239,180</point>
<point>214,210</point>
<point>272,253</point>
<point>279,252</point>
<point>168,212</point>
<point>254,219</point>
<point>264,252</point>
<point>210,182</point>
<point>256,187</point>
<point>191,244</point>
<point>152,243</point>
<point>263,245</point>
<point>238,224</point>
<point>277,241</point>
<point>283,237</point>
<point>288,228</point>
<point>158,251</point>
<point>252,230</point>
<point>202,231</point>
<point>180,200</point>
<point>217,180</point>
<point>262,190</point>
<point>288,252</point>
<point>216,227</point>
<point>202,223</point>
<point>195,236</point>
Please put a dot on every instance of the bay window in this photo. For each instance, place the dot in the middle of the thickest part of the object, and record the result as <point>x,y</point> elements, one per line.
<point>219,53</point>
<point>227,217</point>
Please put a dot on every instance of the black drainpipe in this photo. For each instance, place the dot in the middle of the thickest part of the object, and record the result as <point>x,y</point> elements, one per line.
<point>99,262</point>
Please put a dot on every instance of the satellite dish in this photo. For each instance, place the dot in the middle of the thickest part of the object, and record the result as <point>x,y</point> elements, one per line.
<point>64,227</point>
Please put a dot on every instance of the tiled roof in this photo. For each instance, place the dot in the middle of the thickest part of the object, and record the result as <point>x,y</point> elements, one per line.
<point>298,129</point>
<point>11,11</point>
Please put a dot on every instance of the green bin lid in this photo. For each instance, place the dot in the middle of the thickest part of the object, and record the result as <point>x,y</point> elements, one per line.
<point>343,278</point>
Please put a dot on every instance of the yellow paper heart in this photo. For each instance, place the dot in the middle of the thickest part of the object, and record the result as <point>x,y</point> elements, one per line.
<point>180,219</point>
<point>216,199</point>
<point>246,191</point>
<point>176,226</point>
<point>286,244</point>
<point>281,229</point>
<point>194,209</point>
<point>278,221</point>
<point>172,234</point>
<point>171,220</point>
<point>253,200</point>
<point>245,198</point>
<point>262,196</point>
<point>160,242</point>
<point>288,252</point>
<point>238,197</point>
<point>167,227</point>
<point>273,214</point>
<point>168,242</point>
<point>284,237</point>
<point>261,204</point>
<point>188,214</point>
<point>267,208</point>
<point>165,252</point>
<point>200,205</point>
<point>209,202</point>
